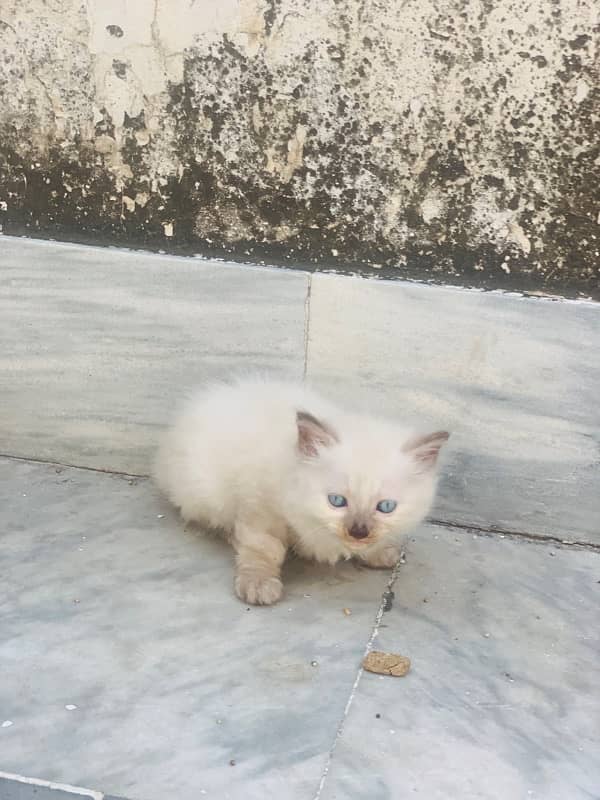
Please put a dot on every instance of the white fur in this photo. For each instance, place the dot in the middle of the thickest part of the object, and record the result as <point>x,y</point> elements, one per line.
<point>232,461</point>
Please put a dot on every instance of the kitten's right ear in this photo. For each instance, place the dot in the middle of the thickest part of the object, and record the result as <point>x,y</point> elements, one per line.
<point>425,449</point>
<point>313,434</point>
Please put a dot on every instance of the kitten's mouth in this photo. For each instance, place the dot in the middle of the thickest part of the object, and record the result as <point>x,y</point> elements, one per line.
<point>358,544</point>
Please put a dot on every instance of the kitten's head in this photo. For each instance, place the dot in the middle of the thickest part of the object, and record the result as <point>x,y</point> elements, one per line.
<point>361,486</point>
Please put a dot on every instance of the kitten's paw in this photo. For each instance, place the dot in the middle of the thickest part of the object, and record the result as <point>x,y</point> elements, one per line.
<point>258,591</point>
<point>384,558</point>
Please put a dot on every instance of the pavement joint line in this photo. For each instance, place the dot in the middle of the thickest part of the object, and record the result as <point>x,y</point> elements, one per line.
<point>369,646</point>
<point>307,326</point>
<point>52,463</point>
<point>493,532</point>
<point>490,532</point>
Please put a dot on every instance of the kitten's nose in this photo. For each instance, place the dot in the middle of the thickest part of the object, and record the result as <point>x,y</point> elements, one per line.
<point>359,531</point>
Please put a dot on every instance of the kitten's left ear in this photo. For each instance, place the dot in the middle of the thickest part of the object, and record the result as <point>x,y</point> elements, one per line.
<point>425,449</point>
<point>312,434</point>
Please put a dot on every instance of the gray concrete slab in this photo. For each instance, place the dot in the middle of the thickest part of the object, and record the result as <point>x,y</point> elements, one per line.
<point>515,379</point>
<point>502,700</point>
<point>127,664</point>
<point>98,344</point>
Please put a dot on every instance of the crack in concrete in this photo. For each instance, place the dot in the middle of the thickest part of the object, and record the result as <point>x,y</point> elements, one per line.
<point>306,326</point>
<point>369,646</point>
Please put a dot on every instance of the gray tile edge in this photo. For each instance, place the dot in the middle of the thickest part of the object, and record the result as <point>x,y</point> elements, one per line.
<point>451,288</point>
<point>170,259</point>
<point>16,786</point>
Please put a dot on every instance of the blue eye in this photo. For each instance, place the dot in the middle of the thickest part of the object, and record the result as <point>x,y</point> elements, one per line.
<point>386,506</point>
<point>337,500</point>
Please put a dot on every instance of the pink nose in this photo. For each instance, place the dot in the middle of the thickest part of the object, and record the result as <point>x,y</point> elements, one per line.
<point>359,531</point>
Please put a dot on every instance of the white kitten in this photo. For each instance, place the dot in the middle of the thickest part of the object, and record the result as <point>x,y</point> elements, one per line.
<point>275,466</point>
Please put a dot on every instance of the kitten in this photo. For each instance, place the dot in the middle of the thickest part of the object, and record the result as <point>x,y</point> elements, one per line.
<point>274,466</point>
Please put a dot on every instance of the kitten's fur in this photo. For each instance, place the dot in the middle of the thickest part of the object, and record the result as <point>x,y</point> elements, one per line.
<point>258,459</point>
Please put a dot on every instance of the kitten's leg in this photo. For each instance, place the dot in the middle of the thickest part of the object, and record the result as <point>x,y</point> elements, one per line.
<point>382,556</point>
<point>259,557</point>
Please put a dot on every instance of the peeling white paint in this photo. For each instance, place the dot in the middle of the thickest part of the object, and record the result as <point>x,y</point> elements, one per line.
<point>61,787</point>
<point>517,235</point>
<point>582,89</point>
<point>431,208</point>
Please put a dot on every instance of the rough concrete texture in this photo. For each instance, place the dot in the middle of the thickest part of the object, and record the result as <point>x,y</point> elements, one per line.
<point>452,140</point>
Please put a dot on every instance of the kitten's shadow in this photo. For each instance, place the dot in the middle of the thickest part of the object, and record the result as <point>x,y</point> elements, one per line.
<point>296,571</point>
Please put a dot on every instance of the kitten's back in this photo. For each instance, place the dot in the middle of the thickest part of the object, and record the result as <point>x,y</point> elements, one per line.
<point>232,445</point>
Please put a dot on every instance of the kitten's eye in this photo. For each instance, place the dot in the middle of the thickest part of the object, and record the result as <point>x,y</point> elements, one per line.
<point>386,506</point>
<point>337,500</point>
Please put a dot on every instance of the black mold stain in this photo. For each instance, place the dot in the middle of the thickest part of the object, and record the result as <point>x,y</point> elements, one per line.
<point>321,215</point>
<point>270,14</point>
<point>579,41</point>
<point>115,30</point>
<point>119,68</point>
<point>105,126</point>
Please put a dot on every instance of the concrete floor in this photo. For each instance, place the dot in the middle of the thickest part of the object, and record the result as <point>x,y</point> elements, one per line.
<point>128,666</point>
<point>126,663</point>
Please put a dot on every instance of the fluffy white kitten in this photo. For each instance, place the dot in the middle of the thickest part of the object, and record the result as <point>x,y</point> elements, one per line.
<point>274,466</point>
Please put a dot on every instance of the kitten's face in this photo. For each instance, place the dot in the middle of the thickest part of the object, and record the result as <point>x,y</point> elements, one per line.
<point>360,491</point>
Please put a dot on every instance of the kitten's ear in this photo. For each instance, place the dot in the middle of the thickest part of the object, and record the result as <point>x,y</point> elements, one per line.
<point>425,449</point>
<point>313,434</point>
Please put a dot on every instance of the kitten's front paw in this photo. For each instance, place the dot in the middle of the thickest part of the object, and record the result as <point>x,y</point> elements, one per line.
<point>258,591</point>
<point>384,558</point>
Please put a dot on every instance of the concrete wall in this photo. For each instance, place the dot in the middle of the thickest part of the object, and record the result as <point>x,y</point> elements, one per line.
<point>450,139</point>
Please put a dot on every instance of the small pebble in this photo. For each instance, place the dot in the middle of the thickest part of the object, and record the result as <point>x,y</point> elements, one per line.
<point>347,612</point>
<point>552,553</point>
<point>70,707</point>
<point>160,516</point>
<point>487,635</point>
<point>232,762</point>
<point>314,663</point>
<point>219,722</point>
<point>377,716</point>
<point>402,557</point>
<point>7,723</point>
